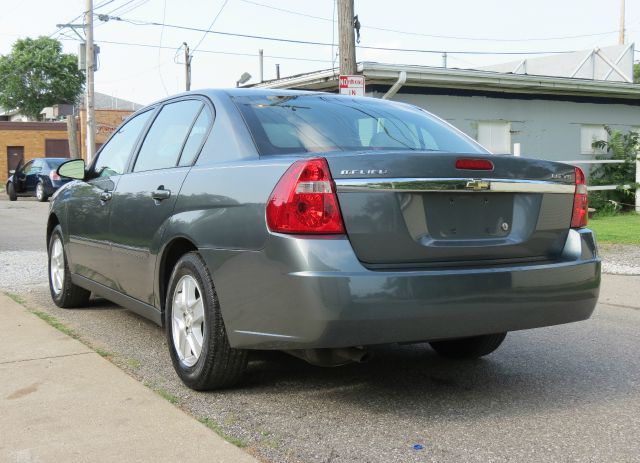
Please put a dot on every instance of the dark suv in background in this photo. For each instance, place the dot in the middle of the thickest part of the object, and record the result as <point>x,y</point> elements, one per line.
<point>38,178</point>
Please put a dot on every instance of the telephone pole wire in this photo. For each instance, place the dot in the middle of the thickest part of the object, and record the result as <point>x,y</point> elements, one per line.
<point>90,60</point>
<point>347,43</point>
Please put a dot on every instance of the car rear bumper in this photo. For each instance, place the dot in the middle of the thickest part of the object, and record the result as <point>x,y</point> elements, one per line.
<point>313,293</point>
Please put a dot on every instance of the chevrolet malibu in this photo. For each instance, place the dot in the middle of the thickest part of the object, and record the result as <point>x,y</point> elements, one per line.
<point>320,225</point>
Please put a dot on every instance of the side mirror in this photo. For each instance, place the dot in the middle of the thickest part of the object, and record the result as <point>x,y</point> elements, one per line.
<point>72,169</point>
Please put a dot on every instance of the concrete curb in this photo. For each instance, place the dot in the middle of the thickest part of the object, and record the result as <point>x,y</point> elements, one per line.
<point>61,401</point>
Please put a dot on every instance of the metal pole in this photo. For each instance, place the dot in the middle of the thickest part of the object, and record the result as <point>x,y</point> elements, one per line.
<point>347,43</point>
<point>261,59</point>
<point>444,59</point>
<point>277,71</point>
<point>90,59</point>
<point>187,67</point>
<point>638,182</point>
<point>621,35</point>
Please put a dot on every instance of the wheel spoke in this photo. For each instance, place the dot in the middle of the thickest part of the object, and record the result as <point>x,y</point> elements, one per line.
<point>185,293</point>
<point>195,344</point>
<point>198,312</point>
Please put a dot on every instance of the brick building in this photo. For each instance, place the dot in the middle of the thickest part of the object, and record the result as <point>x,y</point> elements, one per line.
<point>28,140</point>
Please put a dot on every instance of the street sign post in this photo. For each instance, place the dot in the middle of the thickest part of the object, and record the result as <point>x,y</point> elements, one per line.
<point>352,85</point>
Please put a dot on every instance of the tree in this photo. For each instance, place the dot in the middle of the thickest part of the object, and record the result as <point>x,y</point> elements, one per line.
<point>636,73</point>
<point>36,74</point>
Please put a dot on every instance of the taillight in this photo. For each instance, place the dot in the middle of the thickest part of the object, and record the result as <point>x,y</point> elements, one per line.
<point>53,175</point>
<point>474,164</point>
<point>305,201</point>
<point>580,206</point>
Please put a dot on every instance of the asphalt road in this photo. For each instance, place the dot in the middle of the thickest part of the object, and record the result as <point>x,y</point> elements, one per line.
<point>560,394</point>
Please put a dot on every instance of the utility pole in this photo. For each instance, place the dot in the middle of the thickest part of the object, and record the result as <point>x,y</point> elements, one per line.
<point>72,134</point>
<point>90,59</point>
<point>621,36</point>
<point>347,42</point>
<point>187,67</point>
<point>261,64</point>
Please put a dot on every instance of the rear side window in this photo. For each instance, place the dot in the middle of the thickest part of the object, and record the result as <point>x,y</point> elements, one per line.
<point>163,143</point>
<point>196,137</point>
<point>113,157</point>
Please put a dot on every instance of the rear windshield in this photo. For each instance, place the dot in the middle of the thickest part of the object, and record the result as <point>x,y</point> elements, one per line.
<point>55,163</point>
<point>313,123</point>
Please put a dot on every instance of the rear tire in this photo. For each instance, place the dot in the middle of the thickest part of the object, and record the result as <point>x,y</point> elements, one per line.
<point>63,292</point>
<point>11,191</point>
<point>40,194</point>
<point>468,348</point>
<point>196,334</point>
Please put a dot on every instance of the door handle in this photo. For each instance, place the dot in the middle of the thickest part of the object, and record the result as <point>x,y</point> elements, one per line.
<point>105,196</point>
<point>161,194</point>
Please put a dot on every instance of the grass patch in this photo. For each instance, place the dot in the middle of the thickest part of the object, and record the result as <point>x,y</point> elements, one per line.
<point>16,298</point>
<point>102,352</point>
<point>57,324</point>
<point>166,395</point>
<point>133,363</point>
<point>617,229</point>
<point>215,427</point>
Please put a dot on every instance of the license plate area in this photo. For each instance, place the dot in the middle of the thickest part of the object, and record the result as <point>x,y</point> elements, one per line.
<point>468,216</point>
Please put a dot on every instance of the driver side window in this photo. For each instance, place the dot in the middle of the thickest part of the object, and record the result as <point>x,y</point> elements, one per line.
<point>115,154</point>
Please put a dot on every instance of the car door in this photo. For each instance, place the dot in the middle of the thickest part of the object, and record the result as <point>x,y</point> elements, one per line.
<point>145,197</point>
<point>31,176</point>
<point>89,204</point>
<point>20,177</point>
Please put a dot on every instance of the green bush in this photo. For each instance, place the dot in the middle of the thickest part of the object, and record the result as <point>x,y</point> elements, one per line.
<point>624,147</point>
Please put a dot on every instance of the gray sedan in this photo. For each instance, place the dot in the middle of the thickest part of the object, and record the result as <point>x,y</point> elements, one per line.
<point>320,225</point>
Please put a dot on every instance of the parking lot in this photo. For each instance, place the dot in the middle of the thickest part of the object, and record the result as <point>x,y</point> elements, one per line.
<point>566,393</point>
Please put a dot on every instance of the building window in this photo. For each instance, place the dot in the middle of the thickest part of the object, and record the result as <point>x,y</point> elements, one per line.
<point>495,136</point>
<point>588,134</point>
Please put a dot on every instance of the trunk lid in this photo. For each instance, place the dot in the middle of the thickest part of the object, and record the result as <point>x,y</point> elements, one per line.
<point>417,209</point>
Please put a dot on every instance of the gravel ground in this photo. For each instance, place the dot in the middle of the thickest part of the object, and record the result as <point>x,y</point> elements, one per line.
<point>620,259</point>
<point>566,393</point>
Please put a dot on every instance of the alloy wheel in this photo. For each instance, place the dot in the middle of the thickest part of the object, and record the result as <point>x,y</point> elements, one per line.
<point>56,267</point>
<point>187,320</point>
<point>39,191</point>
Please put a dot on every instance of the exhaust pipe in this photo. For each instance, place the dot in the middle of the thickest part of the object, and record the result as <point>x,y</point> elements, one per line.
<point>332,357</point>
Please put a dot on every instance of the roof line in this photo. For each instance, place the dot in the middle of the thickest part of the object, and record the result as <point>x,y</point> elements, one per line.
<point>461,78</point>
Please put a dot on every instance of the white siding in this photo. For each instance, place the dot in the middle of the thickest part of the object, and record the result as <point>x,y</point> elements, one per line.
<point>495,136</point>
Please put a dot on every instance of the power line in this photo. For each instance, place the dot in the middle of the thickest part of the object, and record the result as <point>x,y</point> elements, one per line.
<point>216,52</point>
<point>325,44</point>
<point>164,14</point>
<point>421,34</point>
<point>211,25</point>
<point>103,4</point>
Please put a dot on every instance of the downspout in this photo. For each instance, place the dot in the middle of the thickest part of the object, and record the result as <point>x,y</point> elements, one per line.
<point>402,78</point>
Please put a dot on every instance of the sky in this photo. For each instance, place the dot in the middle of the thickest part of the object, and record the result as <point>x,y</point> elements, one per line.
<point>150,65</point>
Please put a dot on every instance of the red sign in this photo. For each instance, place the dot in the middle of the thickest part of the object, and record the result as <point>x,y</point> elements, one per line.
<point>352,85</point>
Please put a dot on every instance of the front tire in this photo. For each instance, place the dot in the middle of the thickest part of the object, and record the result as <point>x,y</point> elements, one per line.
<point>40,194</point>
<point>63,292</point>
<point>196,334</point>
<point>11,191</point>
<point>468,348</point>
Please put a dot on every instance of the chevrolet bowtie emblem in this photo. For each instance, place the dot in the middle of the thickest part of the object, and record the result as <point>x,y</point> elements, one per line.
<point>478,185</point>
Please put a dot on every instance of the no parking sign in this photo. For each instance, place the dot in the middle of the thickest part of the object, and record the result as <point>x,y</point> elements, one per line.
<point>352,85</point>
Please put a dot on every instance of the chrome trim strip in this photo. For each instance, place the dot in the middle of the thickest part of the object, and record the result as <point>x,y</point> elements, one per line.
<point>452,185</point>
